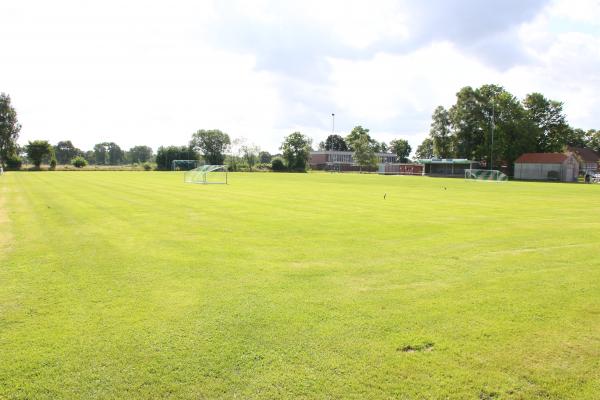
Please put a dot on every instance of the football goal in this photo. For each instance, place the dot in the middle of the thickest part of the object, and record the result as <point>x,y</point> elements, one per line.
<point>183,165</point>
<point>206,174</point>
<point>485,175</point>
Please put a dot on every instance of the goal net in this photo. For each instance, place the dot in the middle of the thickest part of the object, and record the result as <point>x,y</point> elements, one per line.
<point>485,175</point>
<point>183,165</point>
<point>206,174</point>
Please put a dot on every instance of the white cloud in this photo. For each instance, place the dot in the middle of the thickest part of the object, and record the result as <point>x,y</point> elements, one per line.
<point>148,72</point>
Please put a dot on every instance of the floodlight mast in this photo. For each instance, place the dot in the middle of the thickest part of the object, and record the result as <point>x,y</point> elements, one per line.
<point>492,146</point>
<point>332,123</point>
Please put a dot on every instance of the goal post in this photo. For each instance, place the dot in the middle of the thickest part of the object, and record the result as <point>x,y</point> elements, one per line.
<point>207,174</point>
<point>490,175</point>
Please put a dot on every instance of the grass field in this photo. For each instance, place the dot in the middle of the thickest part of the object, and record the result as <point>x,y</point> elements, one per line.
<point>135,285</point>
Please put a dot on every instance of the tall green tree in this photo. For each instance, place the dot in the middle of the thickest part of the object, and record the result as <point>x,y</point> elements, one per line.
<point>576,137</point>
<point>514,133</point>
<point>425,149</point>
<point>440,133</point>
<point>65,152</point>
<point>364,152</point>
<point>250,154</point>
<point>401,148</point>
<point>549,120</point>
<point>116,155</point>
<point>296,151</point>
<point>357,133</point>
<point>166,155</point>
<point>336,143</point>
<point>212,144</point>
<point>140,154</point>
<point>593,140</point>
<point>90,156</point>
<point>9,130</point>
<point>37,151</point>
<point>466,118</point>
<point>100,154</point>
<point>264,157</point>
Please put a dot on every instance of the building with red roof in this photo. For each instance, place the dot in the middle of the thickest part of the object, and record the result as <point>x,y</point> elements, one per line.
<point>547,167</point>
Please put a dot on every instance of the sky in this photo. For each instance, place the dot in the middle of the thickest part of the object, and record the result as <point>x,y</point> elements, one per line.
<point>145,72</point>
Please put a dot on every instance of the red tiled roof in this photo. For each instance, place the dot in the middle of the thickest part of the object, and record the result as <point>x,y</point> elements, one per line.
<point>587,155</point>
<point>541,158</point>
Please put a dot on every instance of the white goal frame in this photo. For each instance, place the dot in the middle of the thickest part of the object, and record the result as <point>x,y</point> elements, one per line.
<point>485,175</point>
<point>207,175</point>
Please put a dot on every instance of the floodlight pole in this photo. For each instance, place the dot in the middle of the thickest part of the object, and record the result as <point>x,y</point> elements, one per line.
<point>332,123</point>
<point>492,146</point>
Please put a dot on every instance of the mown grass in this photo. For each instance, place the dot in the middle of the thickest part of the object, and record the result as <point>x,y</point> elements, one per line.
<point>134,284</point>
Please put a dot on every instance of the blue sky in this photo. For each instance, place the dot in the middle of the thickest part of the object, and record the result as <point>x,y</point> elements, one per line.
<point>149,72</point>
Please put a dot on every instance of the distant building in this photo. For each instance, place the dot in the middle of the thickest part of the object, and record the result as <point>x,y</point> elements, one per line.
<point>588,157</point>
<point>451,167</point>
<point>343,160</point>
<point>547,167</point>
<point>400,169</point>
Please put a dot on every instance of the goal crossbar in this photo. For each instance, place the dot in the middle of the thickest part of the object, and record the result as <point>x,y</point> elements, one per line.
<point>489,175</point>
<point>207,174</point>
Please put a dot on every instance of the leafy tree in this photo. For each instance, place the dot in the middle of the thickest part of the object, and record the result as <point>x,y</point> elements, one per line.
<point>296,151</point>
<point>264,157</point>
<point>212,144</point>
<point>425,149</point>
<point>550,121</point>
<point>116,156</point>
<point>166,155</point>
<point>467,119</point>
<point>336,143</point>
<point>250,154</point>
<point>277,165</point>
<point>482,114</point>
<point>357,133</point>
<point>593,140</point>
<point>79,162</point>
<point>440,133</point>
<point>52,160</point>
<point>14,162</point>
<point>514,133</point>
<point>401,148</point>
<point>576,137</point>
<point>383,147</point>
<point>37,150</point>
<point>364,153</point>
<point>140,154</point>
<point>90,156</point>
<point>108,153</point>
<point>65,151</point>
<point>9,130</point>
<point>100,154</point>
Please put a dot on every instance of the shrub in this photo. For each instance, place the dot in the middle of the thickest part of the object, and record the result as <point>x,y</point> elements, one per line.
<point>147,166</point>
<point>53,163</point>
<point>277,165</point>
<point>263,166</point>
<point>14,162</point>
<point>79,162</point>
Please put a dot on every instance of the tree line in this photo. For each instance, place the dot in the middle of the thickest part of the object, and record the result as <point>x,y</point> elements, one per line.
<point>486,124</point>
<point>211,146</point>
<point>490,125</point>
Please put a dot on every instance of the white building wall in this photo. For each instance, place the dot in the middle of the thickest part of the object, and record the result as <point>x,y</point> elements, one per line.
<point>535,171</point>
